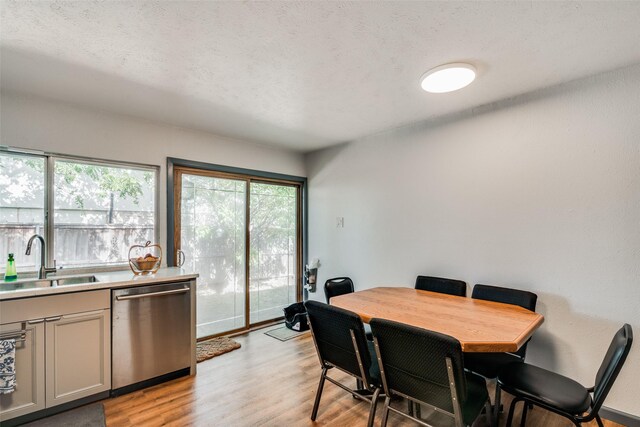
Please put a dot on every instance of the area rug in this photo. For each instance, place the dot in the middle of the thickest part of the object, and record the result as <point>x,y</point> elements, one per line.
<point>84,416</point>
<point>215,347</point>
<point>284,334</point>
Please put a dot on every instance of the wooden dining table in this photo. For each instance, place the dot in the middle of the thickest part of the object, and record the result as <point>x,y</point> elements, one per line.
<point>479,325</point>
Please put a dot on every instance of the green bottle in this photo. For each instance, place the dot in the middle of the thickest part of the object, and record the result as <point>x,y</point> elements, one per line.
<point>11,273</point>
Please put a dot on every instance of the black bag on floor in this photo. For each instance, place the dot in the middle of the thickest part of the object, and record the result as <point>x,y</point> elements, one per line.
<point>295,317</point>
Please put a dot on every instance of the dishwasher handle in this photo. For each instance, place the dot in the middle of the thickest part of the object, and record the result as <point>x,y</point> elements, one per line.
<point>152,294</point>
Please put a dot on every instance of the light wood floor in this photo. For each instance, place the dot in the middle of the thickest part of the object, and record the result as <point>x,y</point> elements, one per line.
<point>264,383</point>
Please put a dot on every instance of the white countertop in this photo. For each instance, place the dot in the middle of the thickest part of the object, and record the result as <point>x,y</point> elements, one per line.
<point>106,280</point>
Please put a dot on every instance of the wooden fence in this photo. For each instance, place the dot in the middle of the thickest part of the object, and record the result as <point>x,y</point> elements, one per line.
<point>75,245</point>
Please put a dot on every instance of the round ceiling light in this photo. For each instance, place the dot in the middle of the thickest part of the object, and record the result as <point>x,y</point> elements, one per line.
<point>448,77</point>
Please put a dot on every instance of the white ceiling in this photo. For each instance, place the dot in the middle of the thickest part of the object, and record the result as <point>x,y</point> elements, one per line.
<point>302,75</point>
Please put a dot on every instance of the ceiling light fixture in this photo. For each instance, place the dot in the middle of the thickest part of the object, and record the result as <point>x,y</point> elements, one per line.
<point>448,77</point>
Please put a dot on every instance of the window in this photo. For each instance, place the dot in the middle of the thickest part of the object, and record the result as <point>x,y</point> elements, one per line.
<point>22,207</point>
<point>99,209</point>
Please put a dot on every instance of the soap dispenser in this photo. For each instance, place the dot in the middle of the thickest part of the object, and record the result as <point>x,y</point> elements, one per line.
<point>10,274</point>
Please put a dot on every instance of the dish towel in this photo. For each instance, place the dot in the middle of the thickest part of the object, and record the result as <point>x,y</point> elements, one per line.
<point>7,366</point>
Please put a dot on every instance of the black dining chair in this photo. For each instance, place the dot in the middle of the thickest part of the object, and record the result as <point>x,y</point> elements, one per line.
<point>341,286</point>
<point>562,395</point>
<point>442,285</point>
<point>340,342</point>
<point>426,368</point>
<point>337,286</point>
<point>489,364</point>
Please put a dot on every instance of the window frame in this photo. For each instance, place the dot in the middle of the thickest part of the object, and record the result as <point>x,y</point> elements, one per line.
<point>49,183</point>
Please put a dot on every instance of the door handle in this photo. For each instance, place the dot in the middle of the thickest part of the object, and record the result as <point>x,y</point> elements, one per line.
<point>33,322</point>
<point>152,294</point>
<point>53,319</point>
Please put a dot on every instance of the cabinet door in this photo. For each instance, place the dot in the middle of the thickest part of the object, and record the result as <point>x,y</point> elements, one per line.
<point>29,393</point>
<point>78,356</point>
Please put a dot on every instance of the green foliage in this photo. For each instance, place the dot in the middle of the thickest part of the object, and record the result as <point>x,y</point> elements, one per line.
<point>213,218</point>
<point>36,165</point>
<point>108,180</point>
<point>21,180</point>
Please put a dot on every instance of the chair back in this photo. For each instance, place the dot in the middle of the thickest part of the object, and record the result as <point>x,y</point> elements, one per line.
<point>413,363</point>
<point>442,285</point>
<point>612,364</point>
<point>331,328</point>
<point>337,286</point>
<point>524,299</point>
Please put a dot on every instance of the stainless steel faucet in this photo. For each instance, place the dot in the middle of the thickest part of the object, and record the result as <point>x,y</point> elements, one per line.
<point>42,273</point>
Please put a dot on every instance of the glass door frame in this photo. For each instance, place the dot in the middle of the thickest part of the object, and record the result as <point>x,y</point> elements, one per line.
<point>175,169</point>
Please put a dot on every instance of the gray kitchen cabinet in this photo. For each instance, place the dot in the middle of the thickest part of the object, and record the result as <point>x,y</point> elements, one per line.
<point>78,362</point>
<point>66,354</point>
<point>29,395</point>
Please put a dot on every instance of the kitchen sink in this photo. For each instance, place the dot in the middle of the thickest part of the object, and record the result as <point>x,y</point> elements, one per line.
<point>47,283</point>
<point>73,280</point>
<point>24,284</point>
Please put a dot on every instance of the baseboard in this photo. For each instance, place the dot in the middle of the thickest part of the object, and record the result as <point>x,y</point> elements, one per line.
<point>150,382</point>
<point>619,417</point>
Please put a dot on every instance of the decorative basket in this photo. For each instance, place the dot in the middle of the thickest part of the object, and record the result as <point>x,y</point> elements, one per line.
<point>145,259</point>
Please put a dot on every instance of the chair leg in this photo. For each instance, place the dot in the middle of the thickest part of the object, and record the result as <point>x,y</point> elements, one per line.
<point>316,404</point>
<point>385,412</point>
<point>523,419</point>
<point>511,410</point>
<point>372,411</point>
<point>599,421</point>
<point>410,407</point>
<point>488,412</point>
<point>418,411</point>
<point>359,385</point>
<point>496,406</point>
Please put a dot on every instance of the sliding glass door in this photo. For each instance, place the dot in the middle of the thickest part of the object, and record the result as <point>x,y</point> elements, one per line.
<point>273,266</point>
<point>242,235</point>
<point>212,236</point>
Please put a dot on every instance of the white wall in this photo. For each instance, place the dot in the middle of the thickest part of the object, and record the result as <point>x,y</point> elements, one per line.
<point>36,123</point>
<point>540,192</point>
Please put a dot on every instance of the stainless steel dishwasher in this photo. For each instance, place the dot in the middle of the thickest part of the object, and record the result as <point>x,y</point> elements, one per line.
<point>150,335</point>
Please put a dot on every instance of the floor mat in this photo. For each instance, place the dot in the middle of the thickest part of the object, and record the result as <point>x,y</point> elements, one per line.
<point>215,347</point>
<point>284,334</point>
<point>84,416</point>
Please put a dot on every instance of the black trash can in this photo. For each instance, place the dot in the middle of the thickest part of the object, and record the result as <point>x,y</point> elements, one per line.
<point>295,317</point>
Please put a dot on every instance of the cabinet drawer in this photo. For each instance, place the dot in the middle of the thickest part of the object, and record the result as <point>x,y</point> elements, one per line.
<point>53,305</point>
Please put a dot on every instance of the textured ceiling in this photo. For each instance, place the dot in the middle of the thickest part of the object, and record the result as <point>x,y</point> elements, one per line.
<point>302,75</point>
